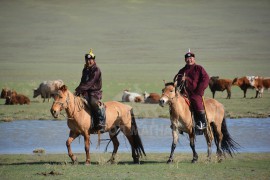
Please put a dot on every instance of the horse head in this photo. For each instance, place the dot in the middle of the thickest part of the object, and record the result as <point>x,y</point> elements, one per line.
<point>168,93</point>
<point>61,100</point>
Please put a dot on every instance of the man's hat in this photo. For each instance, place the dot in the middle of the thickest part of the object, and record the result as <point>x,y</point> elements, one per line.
<point>90,55</point>
<point>189,54</point>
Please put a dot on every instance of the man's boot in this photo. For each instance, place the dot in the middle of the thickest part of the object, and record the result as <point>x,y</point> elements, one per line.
<point>101,116</point>
<point>200,120</point>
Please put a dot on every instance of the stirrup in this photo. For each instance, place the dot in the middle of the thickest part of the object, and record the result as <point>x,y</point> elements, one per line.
<point>102,125</point>
<point>102,128</point>
<point>202,126</point>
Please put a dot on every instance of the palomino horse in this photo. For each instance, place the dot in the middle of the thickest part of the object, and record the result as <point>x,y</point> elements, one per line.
<point>181,120</point>
<point>118,115</point>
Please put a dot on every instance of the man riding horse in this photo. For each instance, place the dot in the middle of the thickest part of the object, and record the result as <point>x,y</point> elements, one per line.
<point>90,87</point>
<point>195,80</point>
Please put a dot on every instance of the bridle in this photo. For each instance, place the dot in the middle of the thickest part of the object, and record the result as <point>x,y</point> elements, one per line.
<point>66,107</point>
<point>179,89</point>
<point>62,104</point>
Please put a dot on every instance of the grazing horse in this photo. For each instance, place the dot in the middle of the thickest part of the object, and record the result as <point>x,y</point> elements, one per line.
<point>182,121</point>
<point>118,116</point>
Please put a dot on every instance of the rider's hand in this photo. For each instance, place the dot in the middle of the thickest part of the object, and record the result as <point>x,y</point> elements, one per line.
<point>77,93</point>
<point>183,78</point>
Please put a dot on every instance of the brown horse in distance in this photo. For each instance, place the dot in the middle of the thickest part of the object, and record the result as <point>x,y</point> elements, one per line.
<point>181,121</point>
<point>118,115</point>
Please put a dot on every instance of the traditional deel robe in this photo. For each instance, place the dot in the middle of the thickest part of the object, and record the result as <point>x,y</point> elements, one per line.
<point>91,82</point>
<point>197,81</point>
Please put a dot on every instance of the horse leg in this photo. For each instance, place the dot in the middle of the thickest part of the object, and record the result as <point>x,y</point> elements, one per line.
<point>115,148</point>
<point>87,147</point>
<point>209,148</point>
<point>135,155</point>
<point>192,145</point>
<point>219,151</point>
<point>72,136</point>
<point>218,142</point>
<point>174,143</point>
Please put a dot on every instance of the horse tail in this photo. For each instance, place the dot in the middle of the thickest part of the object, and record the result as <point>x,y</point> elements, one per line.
<point>228,145</point>
<point>117,132</point>
<point>138,146</point>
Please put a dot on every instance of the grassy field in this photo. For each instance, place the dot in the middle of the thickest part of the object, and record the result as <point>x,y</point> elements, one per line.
<point>242,166</point>
<point>137,43</point>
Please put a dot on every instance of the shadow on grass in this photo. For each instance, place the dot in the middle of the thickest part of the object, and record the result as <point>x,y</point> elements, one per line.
<point>80,163</point>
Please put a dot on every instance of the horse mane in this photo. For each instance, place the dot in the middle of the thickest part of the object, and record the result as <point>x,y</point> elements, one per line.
<point>84,101</point>
<point>169,84</point>
<point>177,90</point>
<point>81,101</point>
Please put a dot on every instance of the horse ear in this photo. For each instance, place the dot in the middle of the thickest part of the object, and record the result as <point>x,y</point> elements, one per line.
<point>164,81</point>
<point>63,88</point>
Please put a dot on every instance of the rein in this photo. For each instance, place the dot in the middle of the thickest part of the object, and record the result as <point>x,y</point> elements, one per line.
<point>61,103</point>
<point>181,86</point>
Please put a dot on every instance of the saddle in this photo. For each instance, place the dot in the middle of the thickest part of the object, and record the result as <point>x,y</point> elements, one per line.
<point>184,94</point>
<point>197,132</point>
<point>96,117</point>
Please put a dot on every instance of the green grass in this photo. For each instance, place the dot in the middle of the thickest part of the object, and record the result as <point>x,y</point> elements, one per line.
<point>138,44</point>
<point>114,82</point>
<point>242,166</point>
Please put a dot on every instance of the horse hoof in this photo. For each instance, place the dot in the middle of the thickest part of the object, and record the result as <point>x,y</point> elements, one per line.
<point>87,163</point>
<point>170,161</point>
<point>136,162</point>
<point>110,161</point>
<point>75,161</point>
<point>220,160</point>
<point>194,161</point>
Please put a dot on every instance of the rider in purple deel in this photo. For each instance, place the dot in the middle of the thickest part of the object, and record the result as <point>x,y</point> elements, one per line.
<point>90,87</point>
<point>196,81</point>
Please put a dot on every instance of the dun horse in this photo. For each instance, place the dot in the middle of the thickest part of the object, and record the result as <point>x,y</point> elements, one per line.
<point>118,115</point>
<point>181,120</point>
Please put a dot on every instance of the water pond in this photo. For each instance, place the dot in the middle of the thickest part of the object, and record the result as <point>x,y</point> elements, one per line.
<point>23,136</point>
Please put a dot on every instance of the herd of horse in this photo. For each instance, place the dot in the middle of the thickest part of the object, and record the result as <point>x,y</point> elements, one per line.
<point>120,118</point>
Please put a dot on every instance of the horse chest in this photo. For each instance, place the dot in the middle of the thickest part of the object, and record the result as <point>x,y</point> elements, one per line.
<point>73,126</point>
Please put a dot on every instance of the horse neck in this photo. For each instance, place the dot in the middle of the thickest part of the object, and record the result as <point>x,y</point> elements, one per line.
<point>73,105</point>
<point>180,107</point>
<point>70,104</point>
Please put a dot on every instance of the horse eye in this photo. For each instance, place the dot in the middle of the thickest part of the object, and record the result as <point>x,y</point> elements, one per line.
<point>171,91</point>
